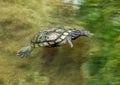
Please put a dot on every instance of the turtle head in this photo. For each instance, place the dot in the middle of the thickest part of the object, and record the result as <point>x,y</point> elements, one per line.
<point>77,33</point>
<point>25,51</point>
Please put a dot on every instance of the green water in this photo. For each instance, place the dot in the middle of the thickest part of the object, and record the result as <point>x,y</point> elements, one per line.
<point>92,61</point>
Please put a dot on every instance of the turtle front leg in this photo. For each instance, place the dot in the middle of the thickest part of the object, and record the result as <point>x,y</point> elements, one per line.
<point>69,41</point>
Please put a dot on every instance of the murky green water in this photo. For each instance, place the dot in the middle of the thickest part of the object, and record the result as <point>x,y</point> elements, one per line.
<point>92,61</point>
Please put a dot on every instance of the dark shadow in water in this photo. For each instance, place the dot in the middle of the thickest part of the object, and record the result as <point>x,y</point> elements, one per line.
<point>62,64</point>
<point>63,55</point>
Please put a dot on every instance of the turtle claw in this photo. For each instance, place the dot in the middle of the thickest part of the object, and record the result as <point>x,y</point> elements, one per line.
<point>25,51</point>
<point>22,55</point>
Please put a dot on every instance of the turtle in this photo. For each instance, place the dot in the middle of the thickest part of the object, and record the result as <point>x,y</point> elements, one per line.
<point>53,37</point>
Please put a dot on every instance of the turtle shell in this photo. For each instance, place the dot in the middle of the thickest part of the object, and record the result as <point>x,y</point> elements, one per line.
<point>51,37</point>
